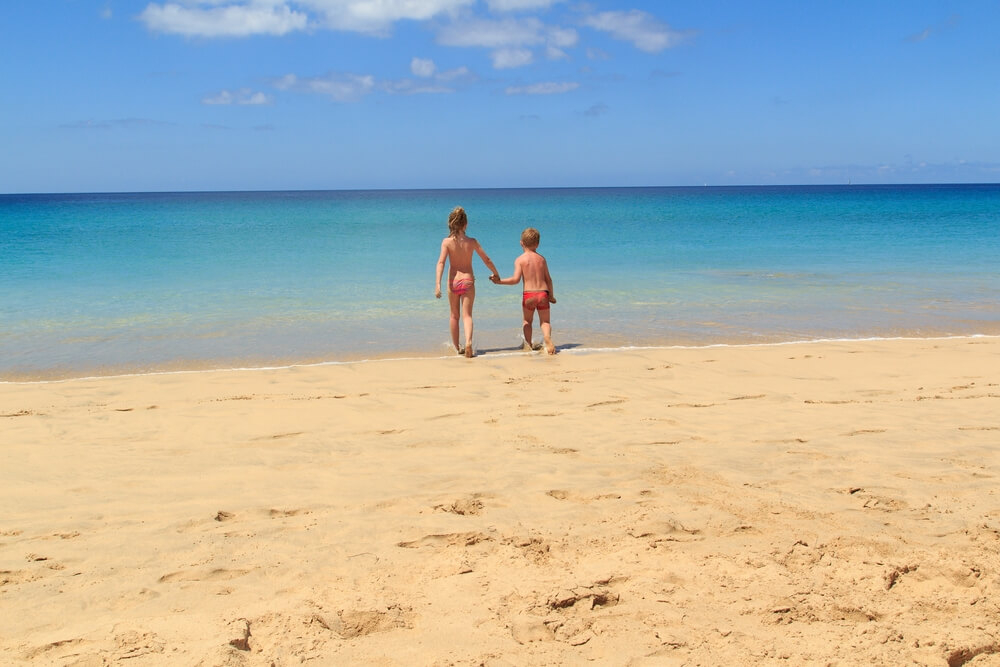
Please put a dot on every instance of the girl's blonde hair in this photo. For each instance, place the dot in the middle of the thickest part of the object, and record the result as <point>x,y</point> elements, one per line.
<point>457,221</point>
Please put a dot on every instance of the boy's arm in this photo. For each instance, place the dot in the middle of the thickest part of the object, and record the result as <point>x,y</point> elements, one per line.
<point>440,268</point>
<point>548,283</point>
<point>514,279</point>
<point>487,261</point>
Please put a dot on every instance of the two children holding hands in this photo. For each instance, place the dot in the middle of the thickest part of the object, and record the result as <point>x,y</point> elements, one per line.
<point>457,250</point>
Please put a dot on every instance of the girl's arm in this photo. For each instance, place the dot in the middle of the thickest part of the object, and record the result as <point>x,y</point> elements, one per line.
<point>487,261</point>
<point>440,268</point>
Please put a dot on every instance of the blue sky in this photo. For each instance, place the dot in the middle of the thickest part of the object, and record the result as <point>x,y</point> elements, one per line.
<point>111,95</point>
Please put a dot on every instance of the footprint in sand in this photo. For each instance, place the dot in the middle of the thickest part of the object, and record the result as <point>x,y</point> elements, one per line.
<point>864,431</point>
<point>562,494</point>
<point>351,623</point>
<point>217,574</point>
<point>446,540</point>
<point>463,506</point>
<point>615,401</point>
<point>566,616</point>
<point>19,413</point>
<point>533,548</point>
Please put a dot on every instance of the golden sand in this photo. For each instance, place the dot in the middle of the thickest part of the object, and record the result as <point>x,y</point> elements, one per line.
<point>832,502</point>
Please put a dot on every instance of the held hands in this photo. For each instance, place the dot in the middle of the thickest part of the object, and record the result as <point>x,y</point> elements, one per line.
<point>495,279</point>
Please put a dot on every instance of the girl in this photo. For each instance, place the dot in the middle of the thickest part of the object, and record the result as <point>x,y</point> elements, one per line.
<point>457,249</point>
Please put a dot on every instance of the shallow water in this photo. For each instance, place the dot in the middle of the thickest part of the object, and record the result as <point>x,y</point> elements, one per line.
<point>100,283</point>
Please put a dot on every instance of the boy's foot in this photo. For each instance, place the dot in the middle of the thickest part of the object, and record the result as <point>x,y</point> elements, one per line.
<point>469,352</point>
<point>526,346</point>
<point>550,347</point>
<point>461,351</point>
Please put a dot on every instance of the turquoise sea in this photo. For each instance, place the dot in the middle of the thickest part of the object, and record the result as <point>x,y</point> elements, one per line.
<point>120,283</point>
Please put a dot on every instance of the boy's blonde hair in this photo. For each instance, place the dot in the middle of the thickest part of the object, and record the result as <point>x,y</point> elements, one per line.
<point>530,237</point>
<point>457,221</point>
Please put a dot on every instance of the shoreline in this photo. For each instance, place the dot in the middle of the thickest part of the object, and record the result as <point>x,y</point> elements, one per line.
<point>491,354</point>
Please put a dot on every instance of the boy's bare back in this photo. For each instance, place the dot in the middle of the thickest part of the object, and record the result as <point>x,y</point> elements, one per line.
<point>534,270</point>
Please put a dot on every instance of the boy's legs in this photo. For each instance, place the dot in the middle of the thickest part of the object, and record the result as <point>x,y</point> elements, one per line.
<point>546,326</point>
<point>529,314</point>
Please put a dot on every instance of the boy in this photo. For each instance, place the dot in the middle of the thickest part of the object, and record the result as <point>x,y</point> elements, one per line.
<point>457,250</point>
<point>538,292</point>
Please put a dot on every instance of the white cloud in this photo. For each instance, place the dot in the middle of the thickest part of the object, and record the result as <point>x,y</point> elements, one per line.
<point>411,87</point>
<point>431,81</point>
<point>518,5</point>
<point>492,34</point>
<point>338,86</point>
<point>377,16</point>
<point>234,20</point>
<point>552,53</point>
<point>509,38</point>
<point>547,88</point>
<point>422,68</point>
<point>244,96</point>
<point>561,37</point>
<point>241,18</point>
<point>508,58</point>
<point>457,73</point>
<point>646,32</point>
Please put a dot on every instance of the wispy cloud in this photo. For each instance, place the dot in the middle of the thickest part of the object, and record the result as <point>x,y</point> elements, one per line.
<point>936,29</point>
<point>519,5</point>
<point>243,96</point>
<point>490,34</point>
<point>115,123</point>
<point>429,79</point>
<point>645,31</point>
<point>545,88</point>
<point>663,74</point>
<point>347,87</point>
<point>597,110</point>
<point>341,87</point>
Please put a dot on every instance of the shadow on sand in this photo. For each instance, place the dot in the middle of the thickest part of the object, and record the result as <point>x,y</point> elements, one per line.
<point>517,348</point>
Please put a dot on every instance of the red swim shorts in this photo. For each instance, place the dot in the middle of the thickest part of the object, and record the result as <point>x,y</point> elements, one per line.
<point>536,300</point>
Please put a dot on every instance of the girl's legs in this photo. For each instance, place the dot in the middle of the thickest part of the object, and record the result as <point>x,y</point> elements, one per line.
<point>455,302</point>
<point>467,301</point>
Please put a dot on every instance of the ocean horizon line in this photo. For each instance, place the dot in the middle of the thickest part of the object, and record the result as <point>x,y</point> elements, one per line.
<point>487,188</point>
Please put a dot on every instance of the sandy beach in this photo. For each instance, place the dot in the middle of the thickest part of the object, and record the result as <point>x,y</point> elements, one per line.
<point>820,503</point>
